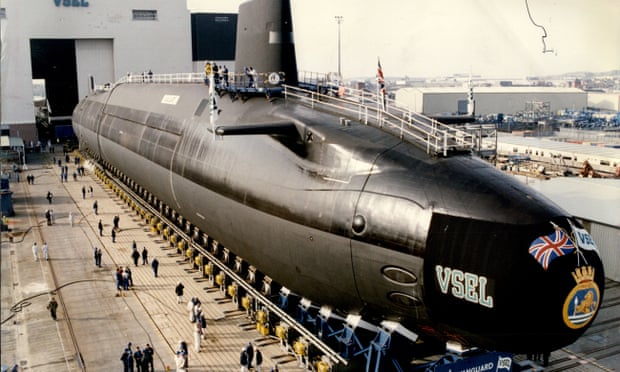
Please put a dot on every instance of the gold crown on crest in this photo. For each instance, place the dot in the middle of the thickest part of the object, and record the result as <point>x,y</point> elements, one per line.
<point>583,274</point>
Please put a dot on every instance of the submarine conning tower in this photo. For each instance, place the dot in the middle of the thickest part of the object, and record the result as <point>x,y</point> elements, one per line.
<point>265,38</point>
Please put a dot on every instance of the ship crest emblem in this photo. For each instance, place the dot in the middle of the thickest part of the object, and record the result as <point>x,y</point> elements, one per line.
<point>583,301</point>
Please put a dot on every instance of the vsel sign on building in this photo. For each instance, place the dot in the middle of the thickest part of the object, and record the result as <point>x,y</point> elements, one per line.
<point>72,3</point>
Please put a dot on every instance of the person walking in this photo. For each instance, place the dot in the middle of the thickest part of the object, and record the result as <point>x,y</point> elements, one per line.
<point>155,266</point>
<point>100,226</point>
<point>96,256</point>
<point>125,276</point>
<point>145,256</point>
<point>50,197</point>
<point>71,219</point>
<point>181,357</point>
<point>99,255</point>
<point>35,251</point>
<point>52,306</point>
<point>250,351</point>
<point>179,292</point>
<point>127,360</point>
<point>259,360</point>
<point>135,256</point>
<point>119,281</point>
<point>197,337</point>
<point>203,325</point>
<point>243,360</point>
<point>147,361</point>
<point>95,207</point>
<point>45,250</point>
<point>113,236</point>
<point>137,357</point>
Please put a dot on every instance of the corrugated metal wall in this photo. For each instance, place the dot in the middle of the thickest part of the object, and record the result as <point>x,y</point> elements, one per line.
<point>607,239</point>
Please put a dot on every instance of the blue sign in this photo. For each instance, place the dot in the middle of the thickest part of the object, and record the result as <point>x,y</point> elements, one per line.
<point>486,362</point>
<point>72,3</point>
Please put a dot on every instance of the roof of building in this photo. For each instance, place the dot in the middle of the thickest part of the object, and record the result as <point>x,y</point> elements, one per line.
<point>592,149</point>
<point>496,90</point>
<point>594,199</point>
<point>6,141</point>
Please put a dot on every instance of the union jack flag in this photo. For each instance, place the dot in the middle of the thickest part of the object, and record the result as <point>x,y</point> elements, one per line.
<point>547,248</point>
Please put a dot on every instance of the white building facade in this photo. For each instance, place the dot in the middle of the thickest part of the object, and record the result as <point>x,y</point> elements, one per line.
<point>109,39</point>
<point>490,100</point>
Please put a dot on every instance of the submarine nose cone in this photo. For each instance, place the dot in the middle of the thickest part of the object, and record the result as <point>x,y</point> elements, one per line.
<point>520,288</point>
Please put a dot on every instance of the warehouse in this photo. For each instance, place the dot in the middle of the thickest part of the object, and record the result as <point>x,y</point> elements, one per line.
<point>490,100</point>
<point>66,41</point>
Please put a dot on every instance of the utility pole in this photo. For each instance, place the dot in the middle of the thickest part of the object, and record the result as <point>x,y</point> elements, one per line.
<point>339,20</point>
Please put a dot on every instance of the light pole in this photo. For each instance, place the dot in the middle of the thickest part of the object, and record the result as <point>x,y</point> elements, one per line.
<point>339,20</point>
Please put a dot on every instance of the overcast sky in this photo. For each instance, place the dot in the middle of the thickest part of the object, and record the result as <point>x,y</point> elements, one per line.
<point>426,38</point>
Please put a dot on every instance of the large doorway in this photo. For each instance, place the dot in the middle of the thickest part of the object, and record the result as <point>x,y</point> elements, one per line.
<point>54,60</point>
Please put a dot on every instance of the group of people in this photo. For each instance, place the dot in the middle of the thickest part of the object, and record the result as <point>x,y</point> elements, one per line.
<point>197,317</point>
<point>135,255</point>
<point>220,74</point>
<point>141,358</point>
<point>90,191</point>
<point>249,355</point>
<point>97,254</point>
<point>49,216</point>
<point>44,249</point>
<point>252,75</point>
<point>123,280</point>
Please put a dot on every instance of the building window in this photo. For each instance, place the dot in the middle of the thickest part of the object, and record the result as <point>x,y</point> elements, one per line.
<point>144,15</point>
<point>2,13</point>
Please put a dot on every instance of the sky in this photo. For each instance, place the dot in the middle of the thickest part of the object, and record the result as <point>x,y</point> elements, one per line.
<point>433,38</point>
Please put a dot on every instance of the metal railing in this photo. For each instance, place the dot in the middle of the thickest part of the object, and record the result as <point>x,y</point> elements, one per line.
<point>319,89</point>
<point>437,138</point>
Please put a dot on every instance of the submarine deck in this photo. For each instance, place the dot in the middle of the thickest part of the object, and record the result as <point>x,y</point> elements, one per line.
<point>96,323</point>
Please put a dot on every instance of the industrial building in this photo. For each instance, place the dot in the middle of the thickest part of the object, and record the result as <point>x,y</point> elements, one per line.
<point>51,48</point>
<point>490,100</point>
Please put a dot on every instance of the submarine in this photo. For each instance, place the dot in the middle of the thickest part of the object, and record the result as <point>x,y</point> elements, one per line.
<point>350,216</point>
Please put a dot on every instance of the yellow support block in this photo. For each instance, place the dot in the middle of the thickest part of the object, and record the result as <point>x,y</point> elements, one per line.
<point>281,332</point>
<point>299,347</point>
<point>209,269</point>
<point>246,302</point>
<point>219,279</point>
<point>322,366</point>
<point>261,316</point>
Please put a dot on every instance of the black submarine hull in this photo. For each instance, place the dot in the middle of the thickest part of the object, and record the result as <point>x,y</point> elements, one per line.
<point>355,218</point>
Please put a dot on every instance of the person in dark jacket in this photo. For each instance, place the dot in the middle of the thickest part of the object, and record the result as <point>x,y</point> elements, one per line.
<point>179,292</point>
<point>135,255</point>
<point>138,356</point>
<point>127,360</point>
<point>250,350</point>
<point>147,361</point>
<point>155,266</point>
<point>52,306</point>
<point>243,360</point>
<point>145,256</point>
<point>259,360</point>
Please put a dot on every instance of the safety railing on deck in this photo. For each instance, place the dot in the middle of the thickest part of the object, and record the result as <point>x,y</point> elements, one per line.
<point>230,81</point>
<point>319,89</point>
<point>437,138</point>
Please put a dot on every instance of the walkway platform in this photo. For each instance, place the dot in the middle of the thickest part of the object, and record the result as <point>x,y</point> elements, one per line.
<point>94,324</point>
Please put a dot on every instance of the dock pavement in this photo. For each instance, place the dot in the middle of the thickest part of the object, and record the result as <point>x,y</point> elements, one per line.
<point>94,325</point>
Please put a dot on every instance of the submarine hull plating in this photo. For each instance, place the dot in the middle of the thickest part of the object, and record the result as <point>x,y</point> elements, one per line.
<point>352,217</point>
